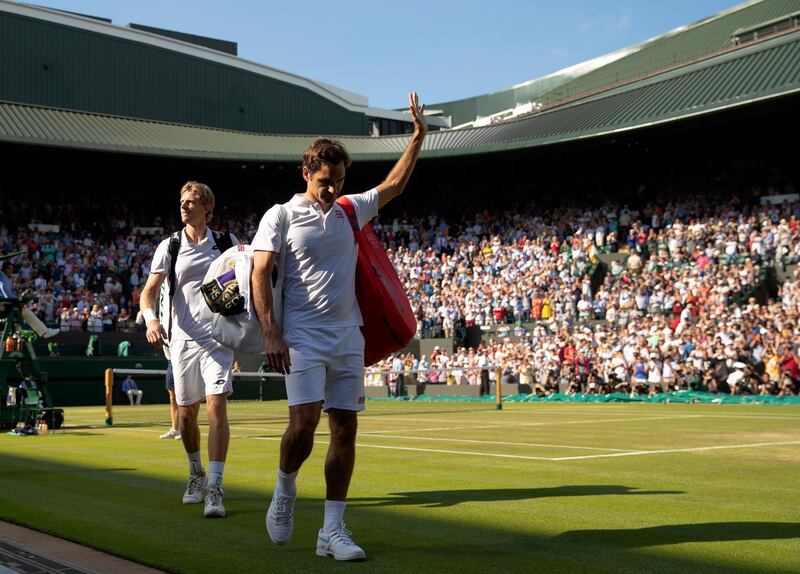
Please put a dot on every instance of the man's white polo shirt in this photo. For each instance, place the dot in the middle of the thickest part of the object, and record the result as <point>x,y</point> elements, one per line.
<point>319,279</point>
<point>191,317</point>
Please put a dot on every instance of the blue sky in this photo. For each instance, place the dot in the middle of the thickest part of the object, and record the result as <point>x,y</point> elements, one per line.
<point>382,49</point>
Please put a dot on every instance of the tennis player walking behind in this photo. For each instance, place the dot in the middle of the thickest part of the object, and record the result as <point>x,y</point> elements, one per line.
<point>201,366</point>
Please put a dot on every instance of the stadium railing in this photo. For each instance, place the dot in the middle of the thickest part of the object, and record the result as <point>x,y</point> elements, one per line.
<point>424,385</point>
<point>499,386</point>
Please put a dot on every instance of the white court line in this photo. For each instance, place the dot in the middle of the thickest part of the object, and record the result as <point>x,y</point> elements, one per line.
<point>502,443</point>
<point>262,429</point>
<point>603,409</point>
<point>519,424</point>
<point>543,423</point>
<point>504,425</point>
<point>615,406</point>
<point>668,450</point>
<point>737,416</point>
<point>377,417</point>
<point>509,415</point>
<point>381,433</point>
<point>494,455</point>
<point>564,458</point>
<point>547,458</point>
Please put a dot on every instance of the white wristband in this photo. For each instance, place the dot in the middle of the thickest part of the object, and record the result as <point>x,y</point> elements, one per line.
<point>148,316</point>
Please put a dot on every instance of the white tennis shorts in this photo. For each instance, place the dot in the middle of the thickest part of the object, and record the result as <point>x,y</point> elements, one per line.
<point>327,365</point>
<point>200,368</point>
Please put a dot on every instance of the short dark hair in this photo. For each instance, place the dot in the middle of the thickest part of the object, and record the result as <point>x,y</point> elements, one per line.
<point>325,150</point>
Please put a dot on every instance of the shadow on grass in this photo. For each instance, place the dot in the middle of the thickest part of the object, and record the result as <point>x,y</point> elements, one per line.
<point>444,498</point>
<point>138,515</point>
<point>681,533</point>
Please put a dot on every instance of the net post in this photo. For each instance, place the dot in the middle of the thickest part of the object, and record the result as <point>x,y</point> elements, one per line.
<point>109,395</point>
<point>498,388</point>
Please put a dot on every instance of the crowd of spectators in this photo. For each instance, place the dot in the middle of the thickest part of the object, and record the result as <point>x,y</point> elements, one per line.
<point>86,265</point>
<point>749,349</point>
<point>508,268</point>
<point>674,307</point>
<point>674,311</point>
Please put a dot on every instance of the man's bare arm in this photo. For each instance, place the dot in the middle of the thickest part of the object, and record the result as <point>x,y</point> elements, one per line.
<point>155,332</point>
<point>261,293</point>
<point>396,181</point>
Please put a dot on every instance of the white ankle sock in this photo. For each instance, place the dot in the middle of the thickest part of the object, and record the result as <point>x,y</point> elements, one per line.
<point>195,464</point>
<point>286,483</point>
<point>334,514</point>
<point>215,469</point>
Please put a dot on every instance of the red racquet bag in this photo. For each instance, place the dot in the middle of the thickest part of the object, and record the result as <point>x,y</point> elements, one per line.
<point>389,322</point>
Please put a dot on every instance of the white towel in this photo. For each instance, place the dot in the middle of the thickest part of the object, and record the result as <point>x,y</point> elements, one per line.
<point>243,270</point>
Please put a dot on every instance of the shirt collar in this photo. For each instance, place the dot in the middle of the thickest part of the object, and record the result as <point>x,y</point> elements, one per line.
<point>205,238</point>
<point>298,200</point>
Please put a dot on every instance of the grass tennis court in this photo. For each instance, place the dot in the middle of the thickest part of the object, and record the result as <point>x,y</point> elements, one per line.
<point>439,487</point>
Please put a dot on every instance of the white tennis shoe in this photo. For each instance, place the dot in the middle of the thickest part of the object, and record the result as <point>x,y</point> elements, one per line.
<point>195,488</point>
<point>339,544</point>
<point>214,507</point>
<point>171,433</point>
<point>280,518</point>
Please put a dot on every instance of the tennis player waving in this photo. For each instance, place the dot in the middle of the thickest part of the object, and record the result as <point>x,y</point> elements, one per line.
<point>320,347</point>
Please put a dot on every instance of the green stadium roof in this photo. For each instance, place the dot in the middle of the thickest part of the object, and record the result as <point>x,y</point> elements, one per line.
<point>680,46</point>
<point>752,73</point>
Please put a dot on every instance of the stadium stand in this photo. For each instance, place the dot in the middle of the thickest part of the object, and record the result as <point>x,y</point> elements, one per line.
<point>684,278</point>
<point>622,199</point>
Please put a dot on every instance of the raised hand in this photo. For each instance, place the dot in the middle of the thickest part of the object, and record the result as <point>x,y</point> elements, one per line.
<point>418,113</point>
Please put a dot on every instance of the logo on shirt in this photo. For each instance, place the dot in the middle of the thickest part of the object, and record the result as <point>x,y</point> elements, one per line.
<point>240,247</point>
<point>339,214</point>
<point>361,400</point>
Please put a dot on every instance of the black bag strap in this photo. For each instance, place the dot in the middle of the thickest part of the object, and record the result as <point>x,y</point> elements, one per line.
<point>222,239</point>
<point>173,249</point>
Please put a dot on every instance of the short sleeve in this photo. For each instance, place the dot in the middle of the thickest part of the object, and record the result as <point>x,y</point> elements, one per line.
<point>268,237</point>
<point>365,205</point>
<point>160,263</point>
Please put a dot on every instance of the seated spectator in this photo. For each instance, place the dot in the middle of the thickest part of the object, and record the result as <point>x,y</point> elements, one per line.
<point>131,389</point>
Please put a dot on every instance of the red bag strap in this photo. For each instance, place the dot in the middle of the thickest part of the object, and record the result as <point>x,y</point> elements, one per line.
<point>350,212</point>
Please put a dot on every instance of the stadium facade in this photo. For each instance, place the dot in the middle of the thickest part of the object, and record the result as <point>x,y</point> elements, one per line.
<point>61,60</point>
